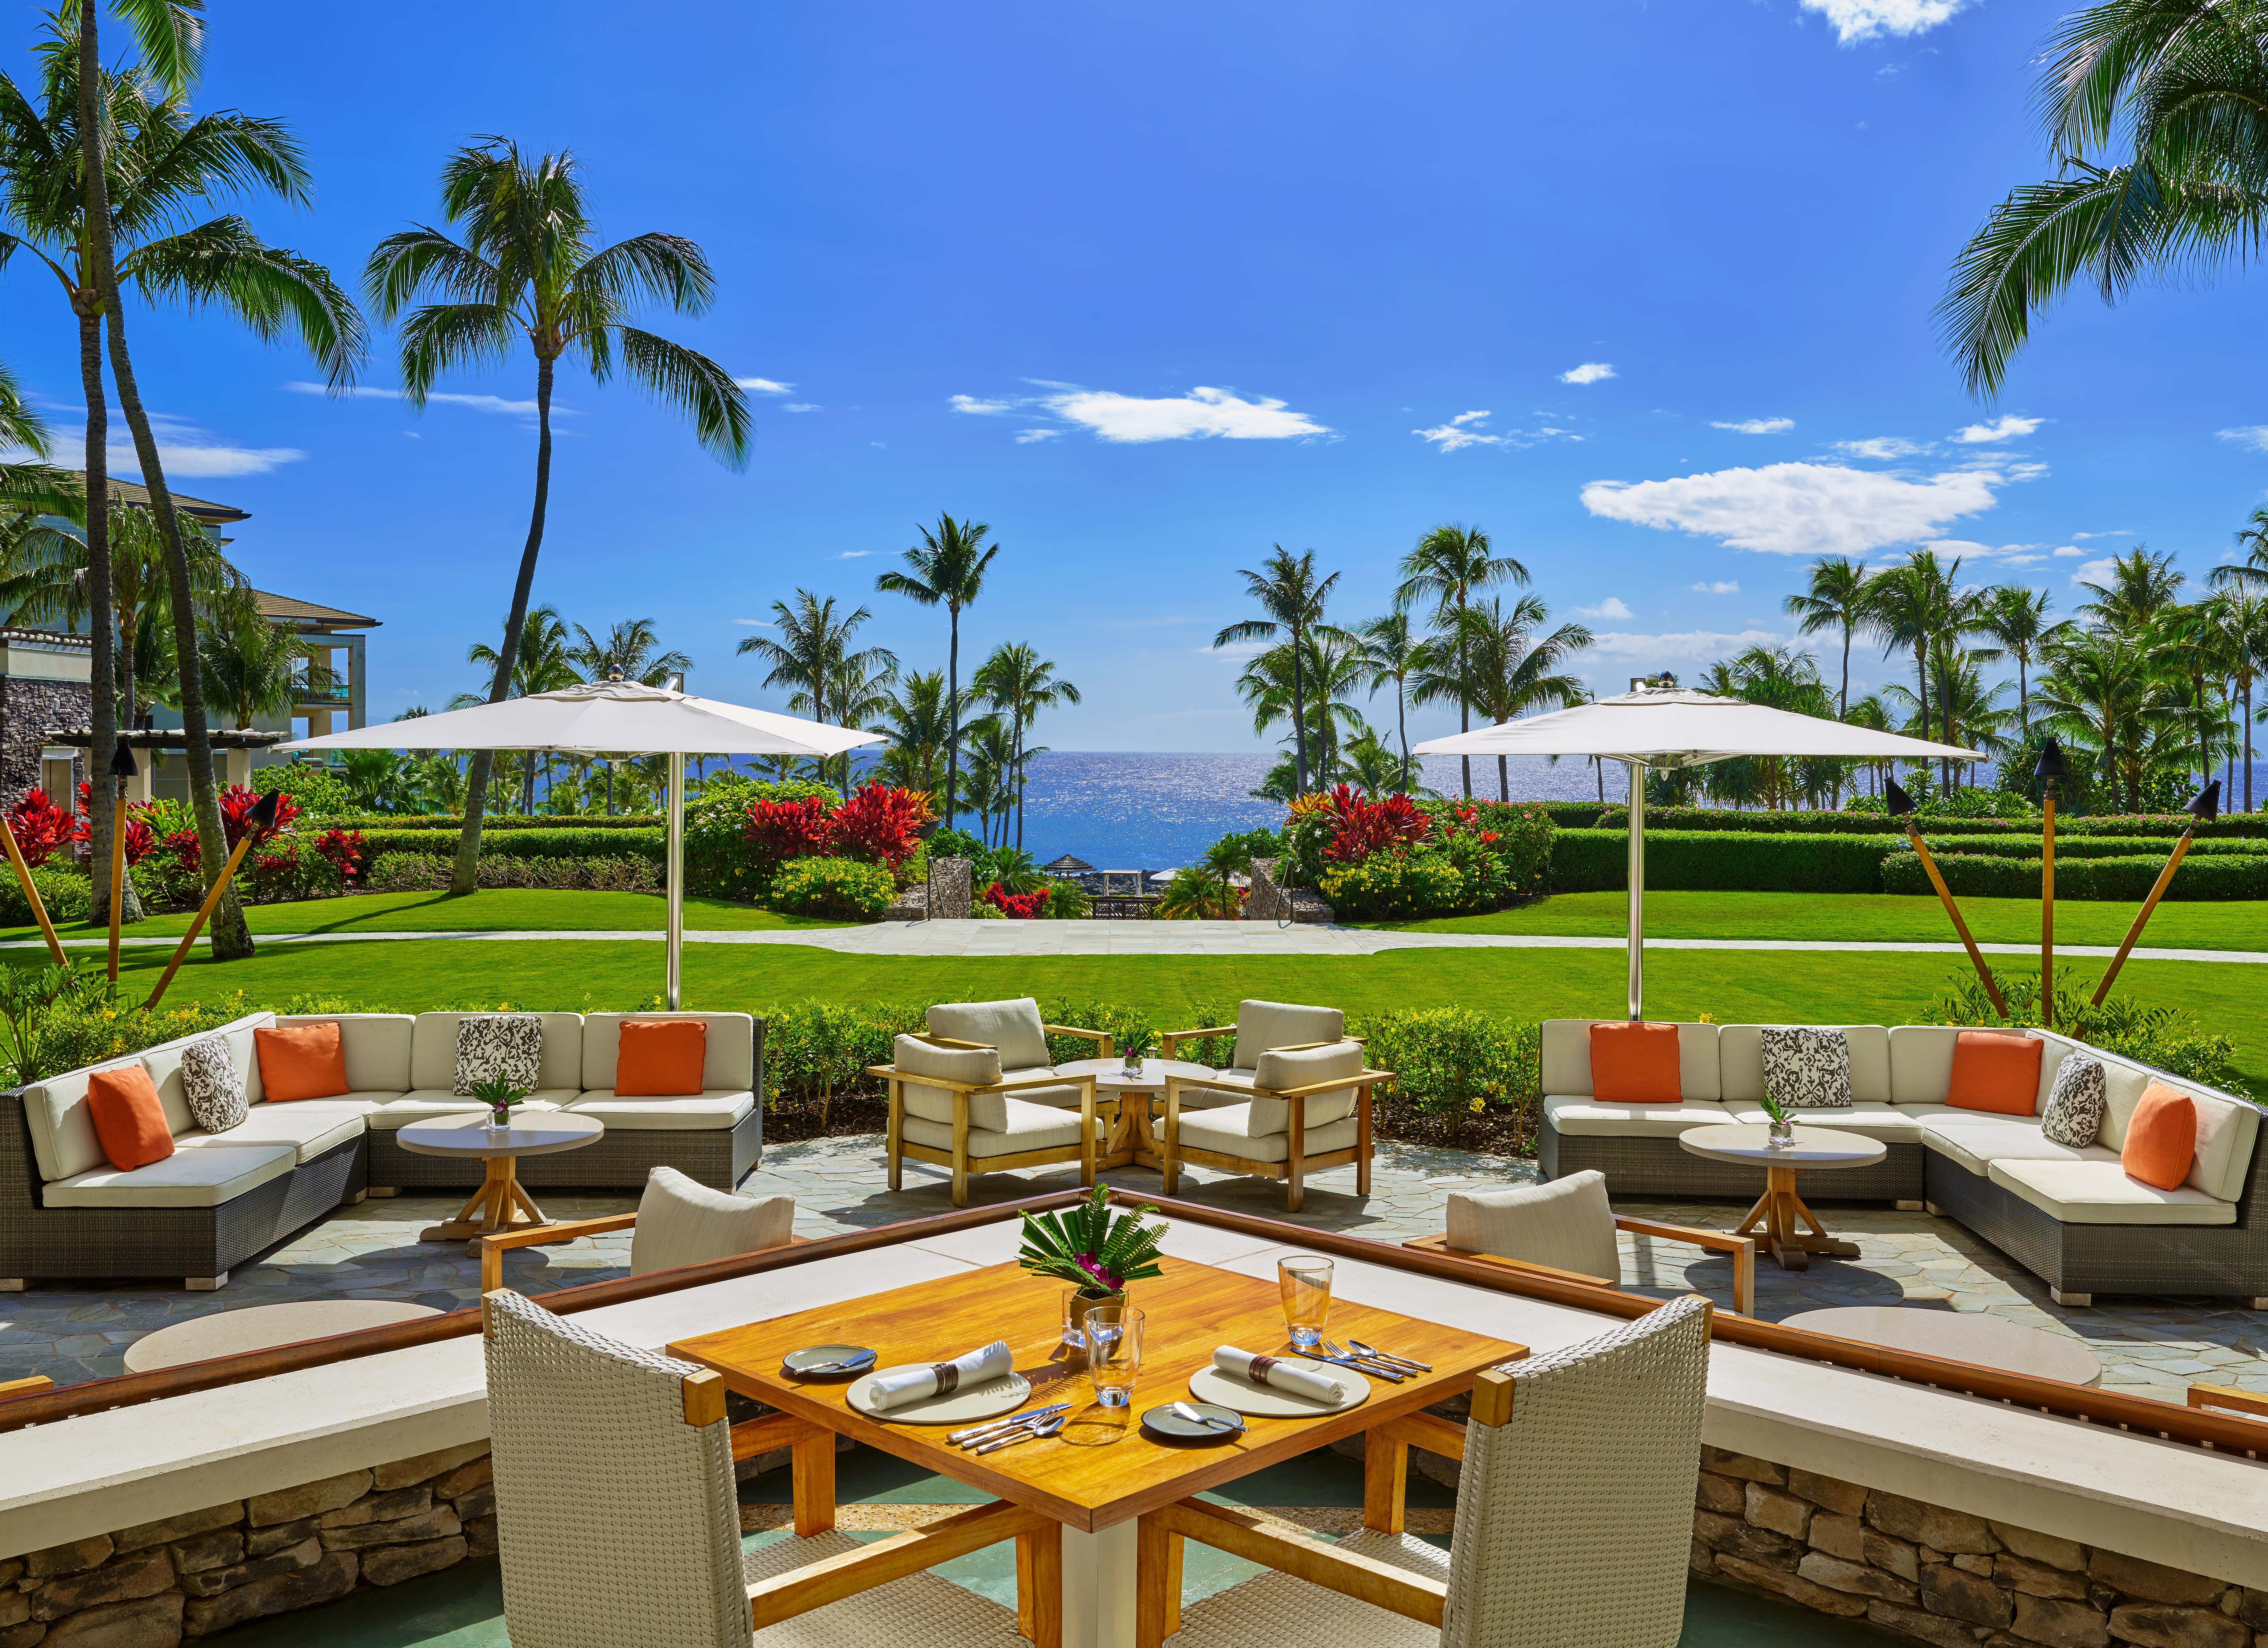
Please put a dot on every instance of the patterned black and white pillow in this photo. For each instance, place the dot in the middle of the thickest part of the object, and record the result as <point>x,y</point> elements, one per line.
<point>2077,1104</point>
<point>212,1085</point>
<point>1806,1068</point>
<point>489,1045</point>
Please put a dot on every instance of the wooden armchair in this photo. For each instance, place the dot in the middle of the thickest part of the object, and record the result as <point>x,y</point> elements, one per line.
<point>31,1385</point>
<point>2244,1402</point>
<point>1293,1121</point>
<point>679,1222</point>
<point>950,1107</point>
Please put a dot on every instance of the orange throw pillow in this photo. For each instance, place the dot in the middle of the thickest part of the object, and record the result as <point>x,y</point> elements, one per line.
<point>660,1058</point>
<point>130,1123</point>
<point>301,1062</point>
<point>1635,1063</point>
<point>2161,1138</point>
<point>1992,1071</point>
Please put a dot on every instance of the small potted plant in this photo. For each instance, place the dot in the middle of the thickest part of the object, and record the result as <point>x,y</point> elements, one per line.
<point>499,1095</point>
<point>1779,1127</point>
<point>1092,1251</point>
<point>1133,1051</point>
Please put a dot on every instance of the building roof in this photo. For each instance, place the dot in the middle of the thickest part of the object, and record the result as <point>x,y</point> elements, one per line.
<point>302,615</point>
<point>201,510</point>
<point>1067,865</point>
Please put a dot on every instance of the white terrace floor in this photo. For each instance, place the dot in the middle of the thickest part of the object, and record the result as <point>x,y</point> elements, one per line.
<point>2148,1346</point>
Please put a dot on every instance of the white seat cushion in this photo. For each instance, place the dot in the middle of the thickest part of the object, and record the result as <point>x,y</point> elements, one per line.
<point>1891,1124</point>
<point>309,1130</point>
<point>1566,1059</point>
<point>1580,1116</point>
<point>2100,1193</point>
<point>728,1058</point>
<point>430,1103</point>
<point>680,1221</point>
<point>1009,1029</point>
<point>1226,1131</point>
<point>1981,1140</point>
<point>653,1116</point>
<point>1567,1224</point>
<point>1030,1128</point>
<point>188,1178</point>
<point>1741,1063</point>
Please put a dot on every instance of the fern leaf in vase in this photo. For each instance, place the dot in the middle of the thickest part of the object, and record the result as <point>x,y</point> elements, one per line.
<point>1089,1249</point>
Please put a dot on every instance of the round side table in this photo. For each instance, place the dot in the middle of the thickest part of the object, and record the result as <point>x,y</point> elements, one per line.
<point>263,1327</point>
<point>1130,1139</point>
<point>1781,1212</point>
<point>1970,1337</point>
<point>500,1200</point>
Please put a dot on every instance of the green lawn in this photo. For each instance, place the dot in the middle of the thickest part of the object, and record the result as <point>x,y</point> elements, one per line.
<point>1884,918</point>
<point>590,975</point>
<point>493,909</point>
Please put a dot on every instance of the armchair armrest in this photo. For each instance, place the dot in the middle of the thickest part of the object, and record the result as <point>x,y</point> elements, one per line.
<point>1100,1037</point>
<point>1361,1079</point>
<point>834,1577</point>
<point>492,1248</point>
<point>1169,1042</point>
<point>29,1386</point>
<point>1743,1249</point>
<point>1439,1244</point>
<point>953,1042</point>
<point>1023,1083</point>
<point>2228,1396</point>
<point>1287,1551</point>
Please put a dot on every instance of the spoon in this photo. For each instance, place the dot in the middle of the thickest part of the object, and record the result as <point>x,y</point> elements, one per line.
<point>1043,1428</point>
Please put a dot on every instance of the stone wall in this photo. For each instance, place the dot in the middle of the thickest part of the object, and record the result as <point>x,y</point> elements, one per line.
<point>30,709</point>
<point>950,892</point>
<point>1268,899</point>
<point>189,1576</point>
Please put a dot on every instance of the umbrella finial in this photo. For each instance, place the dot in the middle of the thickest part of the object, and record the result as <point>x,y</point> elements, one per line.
<point>616,673</point>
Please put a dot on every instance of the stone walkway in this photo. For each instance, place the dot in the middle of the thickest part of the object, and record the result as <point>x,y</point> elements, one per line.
<point>2148,1346</point>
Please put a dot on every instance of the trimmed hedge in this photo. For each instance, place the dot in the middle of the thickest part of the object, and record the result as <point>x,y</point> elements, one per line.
<point>1720,861</point>
<point>2251,826</point>
<point>452,823</point>
<point>2071,847</point>
<point>68,894</point>
<point>573,841</point>
<point>2127,879</point>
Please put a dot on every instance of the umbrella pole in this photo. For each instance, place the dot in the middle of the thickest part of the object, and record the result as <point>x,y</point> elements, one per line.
<point>676,871</point>
<point>1637,939</point>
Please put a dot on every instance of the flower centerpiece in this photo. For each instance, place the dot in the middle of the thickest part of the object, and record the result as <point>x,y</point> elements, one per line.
<point>1095,1253</point>
<point>1132,1051</point>
<point>1779,1127</point>
<point>499,1095</point>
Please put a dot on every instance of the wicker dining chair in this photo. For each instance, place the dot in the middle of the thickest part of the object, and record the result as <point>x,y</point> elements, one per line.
<point>1574,1521</point>
<point>617,1526</point>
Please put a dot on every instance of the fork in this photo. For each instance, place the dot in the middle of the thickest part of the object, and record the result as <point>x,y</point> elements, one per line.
<point>1377,1369</point>
<point>1389,1356</point>
<point>1363,1359</point>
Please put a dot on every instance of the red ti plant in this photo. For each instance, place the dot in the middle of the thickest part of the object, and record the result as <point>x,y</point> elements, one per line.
<point>344,848</point>
<point>878,823</point>
<point>1361,827</point>
<point>140,839</point>
<point>40,826</point>
<point>781,830</point>
<point>1020,906</point>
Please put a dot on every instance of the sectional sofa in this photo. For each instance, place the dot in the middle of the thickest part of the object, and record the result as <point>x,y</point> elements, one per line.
<point>2071,1215</point>
<point>222,1197</point>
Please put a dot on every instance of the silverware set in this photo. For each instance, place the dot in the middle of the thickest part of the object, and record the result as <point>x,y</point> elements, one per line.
<point>1018,1428</point>
<point>1368,1359</point>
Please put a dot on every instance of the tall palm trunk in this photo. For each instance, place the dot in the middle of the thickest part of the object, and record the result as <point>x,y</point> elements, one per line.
<point>952,711</point>
<point>2248,743</point>
<point>1298,717</point>
<point>1503,780</point>
<point>1018,718</point>
<point>1843,704</point>
<point>466,875</point>
<point>1921,679</point>
<point>1402,726</point>
<point>1464,701</point>
<point>103,665</point>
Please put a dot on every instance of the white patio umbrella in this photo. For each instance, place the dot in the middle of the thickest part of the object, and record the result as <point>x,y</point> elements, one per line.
<point>1664,727</point>
<point>614,718</point>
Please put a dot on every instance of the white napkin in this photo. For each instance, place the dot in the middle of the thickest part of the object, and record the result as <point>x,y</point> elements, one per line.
<point>1260,1369</point>
<point>900,1386</point>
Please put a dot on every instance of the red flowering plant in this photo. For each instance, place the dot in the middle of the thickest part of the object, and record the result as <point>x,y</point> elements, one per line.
<point>878,824</point>
<point>782,830</point>
<point>236,806</point>
<point>40,826</point>
<point>1361,827</point>
<point>344,848</point>
<point>141,841</point>
<point>1018,906</point>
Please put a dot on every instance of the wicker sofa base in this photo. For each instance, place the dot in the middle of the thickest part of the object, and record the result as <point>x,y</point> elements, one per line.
<point>1658,1166</point>
<point>2212,1260</point>
<point>619,1159</point>
<point>43,1243</point>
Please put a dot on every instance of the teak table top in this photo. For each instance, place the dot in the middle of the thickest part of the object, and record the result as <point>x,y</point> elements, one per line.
<point>1099,1471</point>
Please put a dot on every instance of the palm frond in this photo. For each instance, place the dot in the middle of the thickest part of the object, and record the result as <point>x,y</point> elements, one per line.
<point>170,37</point>
<point>268,288</point>
<point>165,167</point>
<point>666,267</point>
<point>441,337</point>
<point>691,382</point>
<point>404,264</point>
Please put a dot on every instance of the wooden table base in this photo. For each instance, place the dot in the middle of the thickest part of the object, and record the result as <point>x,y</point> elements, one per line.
<point>1784,1215</point>
<point>500,1200</point>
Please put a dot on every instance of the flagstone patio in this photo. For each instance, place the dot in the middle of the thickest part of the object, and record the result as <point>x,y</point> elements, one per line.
<point>2148,1346</point>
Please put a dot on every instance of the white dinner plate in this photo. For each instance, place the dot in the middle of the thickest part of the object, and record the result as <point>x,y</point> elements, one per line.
<point>1208,1384</point>
<point>1001,1395</point>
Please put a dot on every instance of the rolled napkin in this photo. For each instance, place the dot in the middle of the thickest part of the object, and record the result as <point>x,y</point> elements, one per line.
<point>1268,1370</point>
<point>900,1386</point>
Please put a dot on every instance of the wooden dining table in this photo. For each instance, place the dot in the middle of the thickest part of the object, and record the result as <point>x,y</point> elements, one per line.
<point>1104,1470</point>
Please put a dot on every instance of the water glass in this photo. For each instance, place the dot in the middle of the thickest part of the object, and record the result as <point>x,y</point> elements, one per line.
<point>1306,1282</point>
<point>1113,1353</point>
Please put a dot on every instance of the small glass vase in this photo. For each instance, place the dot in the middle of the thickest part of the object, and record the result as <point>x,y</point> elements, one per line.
<point>500,1121</point>
<point>1130,1064</point>
<point>1076,1304</point>
<point>1779,1133</point>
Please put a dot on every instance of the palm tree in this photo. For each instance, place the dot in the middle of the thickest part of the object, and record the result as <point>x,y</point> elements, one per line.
<point>103,159</point>
<point>857,689</point>
<point>1390,653</point>
<point>630,648</point>
<point>1369,766</point>
<point>2252,538</point>
<point>525,269</point>
<point>2017,618</point>
<point>2182,86</point>
<point>2101,697</point>
<point>1450,565</point>
<point>1016,679</point>
<point>1293,598</point>
<point>946,568</point>
<point>28,486</point>
<point>814,655</point>
<point>544,664</point>
<point>252,668</point>
<point>2141,586</point>
<point>1509,670</point>
<point>914,722</point>
<point>2241,615</point>
<point>989,779</point>
<point>1835,599</point>
<point>1919,606</point>
<point>1322,676</point>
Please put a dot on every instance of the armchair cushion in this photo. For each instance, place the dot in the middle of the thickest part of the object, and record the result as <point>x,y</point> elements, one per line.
<point>971,1067</point>
<point>1277,1071</point>
<point>1009,1027</point>
<point>1262,1026</point>
<point>682,1223</point>
<point>1025,1127</point>
<point>1064,1097</point>
<point>1228,1132</point>
<point>1567,1224</point>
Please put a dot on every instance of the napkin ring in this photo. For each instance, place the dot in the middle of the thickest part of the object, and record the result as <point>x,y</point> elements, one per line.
<point>948,1377</point>
<point>1258,1374</point>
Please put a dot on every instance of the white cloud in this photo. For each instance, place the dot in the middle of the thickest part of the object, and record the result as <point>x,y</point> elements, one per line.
<point>1856,20</point>
<point>1610,608</point>
<point>472,402</point>
<point>2073,551</point>
<point>1202,413</point>
<point>1588,373</point>
<point>2252,435</point>
<point>764,386</point>
<point>756,623</point>
<point>1694,646</point>
<point>854,554</point>
<point>2023,560</point>
<point>1883,446</point>
<point>2010,427</point>
<point>2122,531</point>
<point>1025,437</point>
<point>981,408</point>
<point>1465,430</point>
<point>1799,508</point>
<point>207,460</point>
<point>801,406</point>
<point>1757,426</point>
<point>1729,586</point>
<point>2094,571</point>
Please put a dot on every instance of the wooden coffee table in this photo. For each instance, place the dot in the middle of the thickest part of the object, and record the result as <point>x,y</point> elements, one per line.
<point>1976,1337</point>
<point>499,1201</point>
<point>1130,1138</point>
<point>1781,1212</point>
<point>1103,1471</point>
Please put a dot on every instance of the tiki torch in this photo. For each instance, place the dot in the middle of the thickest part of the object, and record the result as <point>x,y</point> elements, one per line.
<point>261,821</point>
<point>30,891</point>
<point>1902,807</point>
<point>2203,809</point>
<point>2052,767</point>
<point>121,768</point>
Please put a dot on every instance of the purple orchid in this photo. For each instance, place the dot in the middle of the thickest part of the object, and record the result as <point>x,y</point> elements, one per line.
<point>1093,1266</point>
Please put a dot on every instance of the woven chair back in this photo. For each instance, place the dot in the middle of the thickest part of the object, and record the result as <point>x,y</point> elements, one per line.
<point>616,1519</point>
<point>1575,1517</point>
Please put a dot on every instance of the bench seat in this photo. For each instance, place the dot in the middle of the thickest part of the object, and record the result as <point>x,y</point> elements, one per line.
<point>2100,1193</point>
<point>638,1114</point>
<point>1889,1123</point>
<point>1581,1115</point>
<point>202,1178</point>
<point>435,1104</point>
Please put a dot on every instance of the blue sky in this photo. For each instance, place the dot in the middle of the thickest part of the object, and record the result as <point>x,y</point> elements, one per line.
<point>1644,289</point>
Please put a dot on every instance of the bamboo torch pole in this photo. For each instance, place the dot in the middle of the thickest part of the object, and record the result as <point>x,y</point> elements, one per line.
<point>30,891</point>
<point>2052,767</point>
<point>2203,810</point>
<point>121,768</point>
<point>262,820</point>
<point>1901,806</point>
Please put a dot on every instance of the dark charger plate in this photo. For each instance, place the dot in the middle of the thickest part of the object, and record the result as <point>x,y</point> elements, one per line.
<point>861,1360</point>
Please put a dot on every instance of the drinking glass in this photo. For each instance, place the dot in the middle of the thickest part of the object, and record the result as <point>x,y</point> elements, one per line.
<point>1113,1353</point>
<point>1306,1281</point>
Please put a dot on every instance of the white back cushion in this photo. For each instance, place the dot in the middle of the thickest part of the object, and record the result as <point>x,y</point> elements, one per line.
<point>1921,1062</point>
<point>1013,1026</point>
<point>2227,1130</point>
<point>968,1067</point>
<point>1567,1224</point>
<point>1262,1026</point>
<point>1740,1061</point>
<point>376,1048</point>
<point>433,1051</point>
<point>1303,1069</point>
<point>680,1221</point>
<point>1567,1062</point>
<point>728,1063</point>
<point>62,1129</point>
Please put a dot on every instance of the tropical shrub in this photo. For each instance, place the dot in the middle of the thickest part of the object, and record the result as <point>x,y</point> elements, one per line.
<point>777,831</point>
<point>1017,906</point>
<point>67,893</point>
<point>1454,1061</point>
<point>423,872</point>
<point>40,828</point>
<point>878,824</point>
<point>1359,827</point>
<point>1195,895</point>
<point>1439,857</point>
<point>316,789</point>
<point>1067,900</point>
<point>717,857</point>
<point>1390,885</point>
<point>842,889</point>
<point>2171,1038</point>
